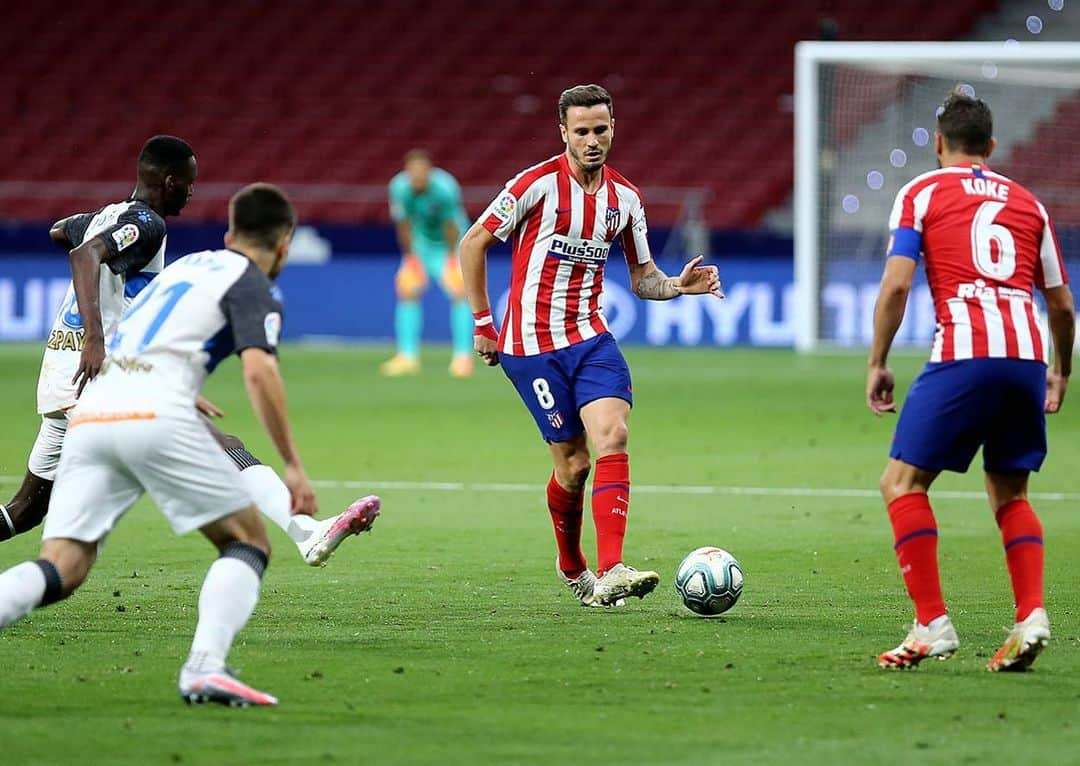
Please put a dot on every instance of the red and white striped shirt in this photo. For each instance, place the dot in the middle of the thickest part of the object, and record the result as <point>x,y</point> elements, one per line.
<point>561,240</point>
<point>988,242</point>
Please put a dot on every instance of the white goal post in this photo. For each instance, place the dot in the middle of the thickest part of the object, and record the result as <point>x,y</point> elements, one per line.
<point>856,104</point>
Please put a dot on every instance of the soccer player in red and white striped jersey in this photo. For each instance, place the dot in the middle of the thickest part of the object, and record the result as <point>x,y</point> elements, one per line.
<point>988,244</point>
<point>562,217</point>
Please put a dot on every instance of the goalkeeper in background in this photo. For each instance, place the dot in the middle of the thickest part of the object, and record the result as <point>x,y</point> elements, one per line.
<point>425,205</point>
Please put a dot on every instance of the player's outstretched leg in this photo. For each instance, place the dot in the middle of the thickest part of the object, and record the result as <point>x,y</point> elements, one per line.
<point>316,539</point>
<point>228,598</point>
<point>1022,536</point>
<point>328,534</point>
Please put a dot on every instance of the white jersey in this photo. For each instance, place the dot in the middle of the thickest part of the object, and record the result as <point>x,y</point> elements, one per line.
<point>561,239</point>
<point>134,236</point>
<point>198,311</point>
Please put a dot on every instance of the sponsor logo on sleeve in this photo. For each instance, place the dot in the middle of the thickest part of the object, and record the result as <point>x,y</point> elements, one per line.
<point>125,236</point>
<point>504,207</point>
<point>272,325</point>
<point>640,227</point>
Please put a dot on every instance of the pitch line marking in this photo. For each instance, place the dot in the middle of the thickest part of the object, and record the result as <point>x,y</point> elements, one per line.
<point>649,489</point>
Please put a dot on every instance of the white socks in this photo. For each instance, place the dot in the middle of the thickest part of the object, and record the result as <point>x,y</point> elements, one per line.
<point>271,497</point>
<point>229,594</point>
<point>21,590</point>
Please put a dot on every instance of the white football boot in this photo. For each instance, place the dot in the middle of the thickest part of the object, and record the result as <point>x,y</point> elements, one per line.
<point>198,687</point>
<point>937,640</point>
<point>620,582</point>
<point>327,536</point>
<point>1025,641</point>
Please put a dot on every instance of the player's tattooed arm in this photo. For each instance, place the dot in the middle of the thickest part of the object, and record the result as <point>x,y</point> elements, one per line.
<point>650,283</point>
<point>655,285</point>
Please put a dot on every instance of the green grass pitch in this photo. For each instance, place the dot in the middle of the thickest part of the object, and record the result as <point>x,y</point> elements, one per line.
<point>445,638</point>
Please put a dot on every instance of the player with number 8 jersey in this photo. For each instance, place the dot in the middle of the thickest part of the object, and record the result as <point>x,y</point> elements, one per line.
<point>987,244</point>
<point>562,217</point>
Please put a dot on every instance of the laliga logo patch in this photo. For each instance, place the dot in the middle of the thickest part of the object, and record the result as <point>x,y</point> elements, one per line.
<point>504,208</point>
<point>125,236</point>
<point>272,325</point>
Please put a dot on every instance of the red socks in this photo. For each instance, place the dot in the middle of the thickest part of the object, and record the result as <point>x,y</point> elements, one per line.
<point>610,501</point>
<point>566,512</point>
<point>1022,535</point>
<point>915,533</point>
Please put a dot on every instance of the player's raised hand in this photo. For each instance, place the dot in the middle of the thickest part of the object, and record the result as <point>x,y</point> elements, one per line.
<point>696,279</point>
<point>90,361</point>
<point>485,339</point>
<point>304,501</point>
<point>1056,384</point>
<point>880,383</point>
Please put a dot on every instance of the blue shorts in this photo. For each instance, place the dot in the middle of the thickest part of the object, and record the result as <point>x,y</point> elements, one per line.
<point>953,408</point>
<point>557,384</point>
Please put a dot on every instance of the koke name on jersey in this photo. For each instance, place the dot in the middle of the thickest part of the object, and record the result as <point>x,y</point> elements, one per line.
<point>984,187</point>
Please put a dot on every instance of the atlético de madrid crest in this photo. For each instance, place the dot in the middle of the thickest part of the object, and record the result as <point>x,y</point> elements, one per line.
<point>611,220</point>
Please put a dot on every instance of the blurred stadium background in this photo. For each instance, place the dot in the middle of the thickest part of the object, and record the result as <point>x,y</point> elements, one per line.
<point>326,97</point>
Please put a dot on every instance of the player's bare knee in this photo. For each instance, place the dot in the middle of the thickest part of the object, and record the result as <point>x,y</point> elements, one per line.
<point>892,485</point>
<point>1004,488</point>
<point>612,439</point>
<point>576,472</point>
<point>244,526</point>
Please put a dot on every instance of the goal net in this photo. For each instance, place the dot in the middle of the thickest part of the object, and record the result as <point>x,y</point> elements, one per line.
<point>864,126</point>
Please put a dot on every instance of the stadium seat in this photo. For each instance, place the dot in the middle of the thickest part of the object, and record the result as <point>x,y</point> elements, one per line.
<point>340,95</point>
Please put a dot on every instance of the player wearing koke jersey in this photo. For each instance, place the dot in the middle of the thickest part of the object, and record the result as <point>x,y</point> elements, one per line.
<point>135,429</point>
<point>114,254</point>
<point>561,218</point>
<point>987,243</point>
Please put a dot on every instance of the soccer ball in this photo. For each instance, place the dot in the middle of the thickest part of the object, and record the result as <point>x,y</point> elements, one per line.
<point>709,581</point>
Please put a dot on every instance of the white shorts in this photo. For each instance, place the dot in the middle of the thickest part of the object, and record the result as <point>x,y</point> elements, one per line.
<point>45,454</point>
<point>108,463</point>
